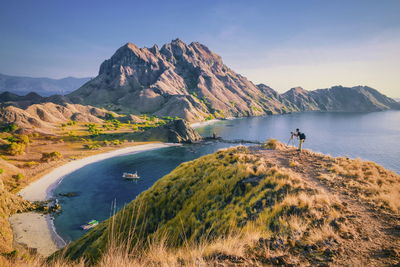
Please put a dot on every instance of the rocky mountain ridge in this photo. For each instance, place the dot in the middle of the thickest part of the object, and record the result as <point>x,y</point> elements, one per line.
<point>188,81</point>
<point>339,98</point>
<point>192,82</point>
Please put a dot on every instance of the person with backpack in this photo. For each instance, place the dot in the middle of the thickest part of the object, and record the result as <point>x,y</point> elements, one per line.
<point>302,138</point>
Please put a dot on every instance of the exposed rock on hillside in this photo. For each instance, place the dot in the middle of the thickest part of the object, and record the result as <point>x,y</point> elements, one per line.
<point>182,80</point>
<point>177,131</point>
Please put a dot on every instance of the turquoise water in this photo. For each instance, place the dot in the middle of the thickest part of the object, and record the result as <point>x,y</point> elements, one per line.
<point>371,136</point>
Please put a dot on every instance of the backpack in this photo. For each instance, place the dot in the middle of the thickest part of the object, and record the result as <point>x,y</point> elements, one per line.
<point>302,136</point>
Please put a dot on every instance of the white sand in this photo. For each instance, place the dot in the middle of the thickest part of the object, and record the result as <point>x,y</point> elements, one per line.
<point>40,190</point>
<point>36,230</point>
<point>33,230</point>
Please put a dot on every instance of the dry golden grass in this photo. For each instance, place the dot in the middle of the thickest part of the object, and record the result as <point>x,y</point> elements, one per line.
<point>370,181</point>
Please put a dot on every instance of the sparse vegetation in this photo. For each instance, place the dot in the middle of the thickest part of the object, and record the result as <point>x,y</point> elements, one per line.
<point>51,156</point>
<point>15,149</point>
<point>18,177</point>
<point>271,144</point>
<point>239,193</point>
<point>9,128</point>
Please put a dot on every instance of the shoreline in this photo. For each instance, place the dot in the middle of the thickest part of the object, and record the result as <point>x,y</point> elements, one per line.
<point>37,230</point>
<point>203,123</point>
<point>41,189</point>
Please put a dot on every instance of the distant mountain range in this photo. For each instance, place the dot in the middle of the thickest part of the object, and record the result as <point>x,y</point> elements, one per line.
<point>42,86</point>
<point>192,82</point>
<point>188,81</point>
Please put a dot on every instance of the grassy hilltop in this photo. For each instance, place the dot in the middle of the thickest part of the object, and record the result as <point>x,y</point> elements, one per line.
<point>255,206</point>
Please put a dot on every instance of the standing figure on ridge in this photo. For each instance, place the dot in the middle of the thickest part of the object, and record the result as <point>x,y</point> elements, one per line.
<point>302,138</point>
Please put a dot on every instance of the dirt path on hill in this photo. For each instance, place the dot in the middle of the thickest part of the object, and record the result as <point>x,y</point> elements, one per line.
<point>374,239</point>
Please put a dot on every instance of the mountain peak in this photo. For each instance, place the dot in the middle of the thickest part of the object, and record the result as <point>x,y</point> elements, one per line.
<point>178,41</point>
<point>298,90</point>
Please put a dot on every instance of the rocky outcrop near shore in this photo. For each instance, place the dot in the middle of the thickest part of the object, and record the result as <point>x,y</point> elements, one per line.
<point>176,131</point>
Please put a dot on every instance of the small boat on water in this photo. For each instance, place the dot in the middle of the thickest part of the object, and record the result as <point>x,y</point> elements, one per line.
<point>130,176</point>
<point>90,224</point>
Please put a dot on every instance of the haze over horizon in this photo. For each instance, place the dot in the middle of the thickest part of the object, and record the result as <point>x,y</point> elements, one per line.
<point>312,44</point>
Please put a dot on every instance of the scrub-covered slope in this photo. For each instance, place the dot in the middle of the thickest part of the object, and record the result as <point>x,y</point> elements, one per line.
<point>267,207</point>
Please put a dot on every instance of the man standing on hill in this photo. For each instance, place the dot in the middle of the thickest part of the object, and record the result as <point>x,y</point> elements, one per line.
<point>302,138</point>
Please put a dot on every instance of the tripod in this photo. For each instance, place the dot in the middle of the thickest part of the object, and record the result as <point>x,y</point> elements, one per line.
<point>291,141</point>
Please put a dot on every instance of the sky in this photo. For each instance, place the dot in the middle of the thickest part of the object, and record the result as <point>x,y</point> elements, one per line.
<point>282,43</point>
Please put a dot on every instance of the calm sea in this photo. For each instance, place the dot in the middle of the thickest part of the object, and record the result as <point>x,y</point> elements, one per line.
<point>371,136</point>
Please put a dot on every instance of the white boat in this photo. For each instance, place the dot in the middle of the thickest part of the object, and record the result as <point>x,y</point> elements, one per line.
<point>130,176</point>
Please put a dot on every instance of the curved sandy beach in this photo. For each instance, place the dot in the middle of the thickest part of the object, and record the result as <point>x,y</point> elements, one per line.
<point>35,229</point>
<point>40,190</point>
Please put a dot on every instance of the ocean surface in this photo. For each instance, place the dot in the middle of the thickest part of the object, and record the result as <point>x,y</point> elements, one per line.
<point>101,190</point>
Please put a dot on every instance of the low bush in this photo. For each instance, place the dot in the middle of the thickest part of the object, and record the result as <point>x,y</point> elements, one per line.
<point>18,176</point>
<point>91,146</point>
<point>51,156</point>
<point>271,144</point>
<point>15,149</point>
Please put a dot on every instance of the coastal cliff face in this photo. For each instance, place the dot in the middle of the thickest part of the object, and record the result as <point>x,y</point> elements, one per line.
<point>176,131</point>
<point>262,205</point>
<point>178,79</point>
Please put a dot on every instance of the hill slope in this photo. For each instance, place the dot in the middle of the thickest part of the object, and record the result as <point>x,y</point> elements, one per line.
<point>42,86</point>
<point>255,206</point>
<point>47,116</point>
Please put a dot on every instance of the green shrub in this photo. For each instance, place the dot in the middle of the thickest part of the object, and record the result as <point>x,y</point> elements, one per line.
<point>51,156</point>
<point>71,123</point>
<point>15,149</point>
<point>23,138</point>
<point>93,130</point>
<point>92,146</point>
<point>1,171</point>
<point>18,176</point>
<point>30,164</point>
<point>209,117</point>
<point>9,128</point>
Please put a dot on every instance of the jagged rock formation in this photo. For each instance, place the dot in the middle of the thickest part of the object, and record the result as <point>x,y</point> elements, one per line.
<point>182,80</point>
<point>45,117</point>
<point>177,131</point>
<point>42,86</point>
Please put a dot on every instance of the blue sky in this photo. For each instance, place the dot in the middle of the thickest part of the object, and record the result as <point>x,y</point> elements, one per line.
<point>308,43</point>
